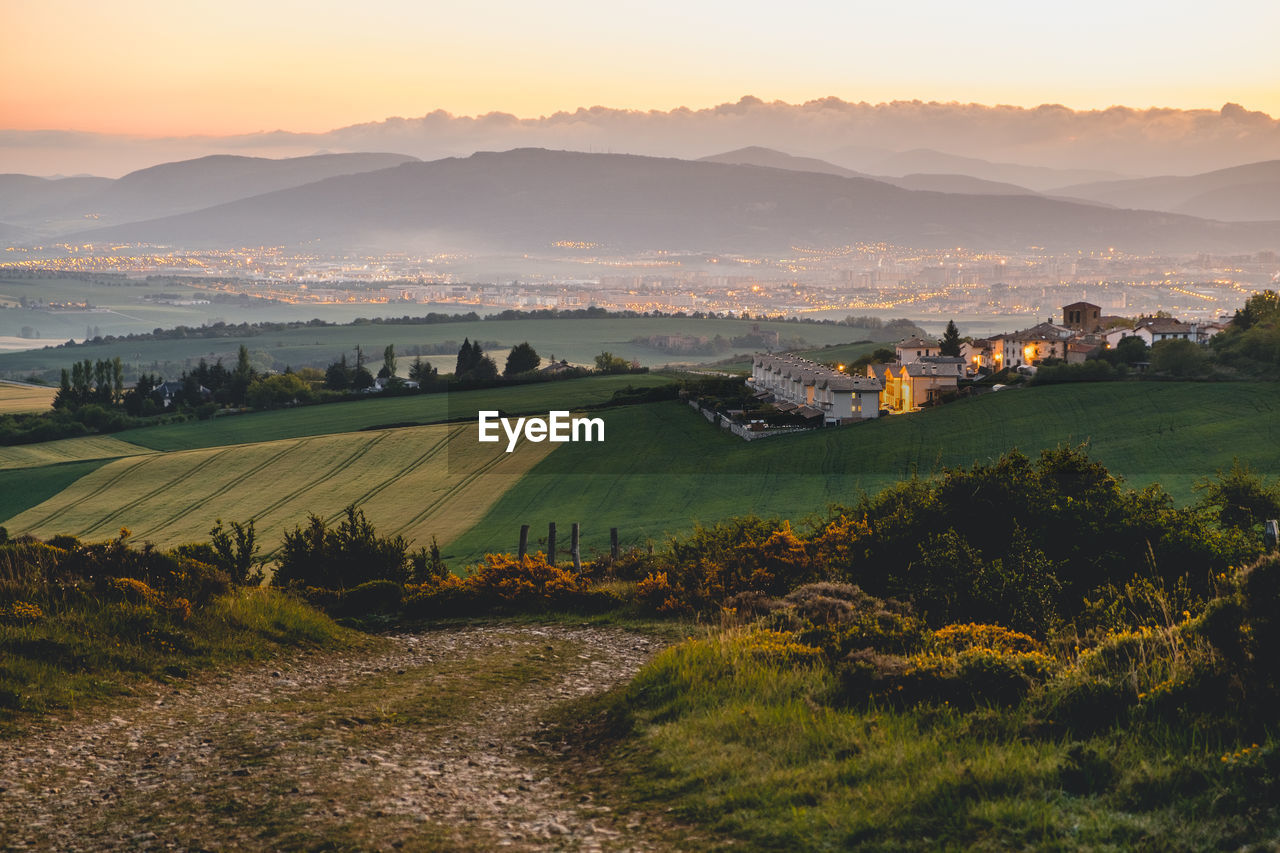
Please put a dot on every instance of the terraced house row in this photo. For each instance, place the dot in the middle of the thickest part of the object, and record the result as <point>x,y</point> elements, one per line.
<point>815,391</point>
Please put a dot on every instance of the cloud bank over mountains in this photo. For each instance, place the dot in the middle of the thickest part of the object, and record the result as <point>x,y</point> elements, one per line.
<point>1115,142</point>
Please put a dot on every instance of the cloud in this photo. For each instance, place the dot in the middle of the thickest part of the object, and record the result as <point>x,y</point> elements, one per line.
<point>1119,139</point>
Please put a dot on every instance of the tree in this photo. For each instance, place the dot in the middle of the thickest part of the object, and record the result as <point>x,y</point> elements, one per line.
<point>466,359</point>
<point>361,379</point>
<point>607,362</point>
<point>421,371</point>
<point>1239,498</point>
<point>237,551</point>
<point>342,556</point>
<point>338,376</point>
<point>1178,358</point>
<point>388,362</point>
<point>473,365</point>
<point>241,378</point>
<point>283,389</point>
<point>951,340</point>
<point>485,370</point>
<point>521,359</point>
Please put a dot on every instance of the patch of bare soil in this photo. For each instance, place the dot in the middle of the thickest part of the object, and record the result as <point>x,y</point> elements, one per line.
<point>430,741</point>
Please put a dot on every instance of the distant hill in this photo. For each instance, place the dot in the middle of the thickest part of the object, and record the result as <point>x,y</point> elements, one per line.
<point>957,184</point>
<point>1240,193</point>
<point>527,199</point>
<point>55,206</point>
<point>11,234</point>
<point>31,200</point>
<point>768,157</point>
<point>756,156</point>
<point>930,162</point>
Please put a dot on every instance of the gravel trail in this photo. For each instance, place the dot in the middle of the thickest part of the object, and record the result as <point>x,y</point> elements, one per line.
<point>430,741</point>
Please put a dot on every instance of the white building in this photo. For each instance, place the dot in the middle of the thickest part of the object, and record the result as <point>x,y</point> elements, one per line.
<point>811,389</point>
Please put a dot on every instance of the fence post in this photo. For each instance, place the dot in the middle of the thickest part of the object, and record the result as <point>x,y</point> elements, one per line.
<point>1271,534</point>
<point>551,543</point>
<point>573,541</point>
<point>613,544</point>
<point>524,540</point>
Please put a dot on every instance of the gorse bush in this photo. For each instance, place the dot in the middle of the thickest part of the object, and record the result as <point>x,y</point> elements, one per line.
<point>1019,542</point>
<point>317,555</point>
<point>505,583</point>
<point>80,620</point>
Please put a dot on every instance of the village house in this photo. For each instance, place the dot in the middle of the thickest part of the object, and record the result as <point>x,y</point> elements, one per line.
<point>914,349</point>
<point>978,356</point>
<point>1030,346</point>
<point>813,390</point>
<point>1152,330</point>
<point>908,387</point>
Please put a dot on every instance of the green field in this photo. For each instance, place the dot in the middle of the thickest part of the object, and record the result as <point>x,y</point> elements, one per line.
<point>22,488</point>
<point>375,412</point>
<point>414,481</point>
<point>833,354</point>
<point>663,467</point>
<point>579,341</point>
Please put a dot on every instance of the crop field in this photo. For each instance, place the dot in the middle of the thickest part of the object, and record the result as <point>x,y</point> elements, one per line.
<point>16,398</point>
<point>413,481</point>
<point>579,341</point>
<point>22,488</point>
<point>67,450</point>
<point>368,413</point>
<point>663,467</point>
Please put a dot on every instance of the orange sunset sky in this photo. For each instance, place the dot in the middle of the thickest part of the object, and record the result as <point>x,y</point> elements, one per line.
<point>165,68</point>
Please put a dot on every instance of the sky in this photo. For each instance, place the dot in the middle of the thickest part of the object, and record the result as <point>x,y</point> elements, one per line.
<point>165,68</point>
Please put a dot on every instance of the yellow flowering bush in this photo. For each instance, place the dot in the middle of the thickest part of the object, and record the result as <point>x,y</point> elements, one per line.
<point>21,611</point>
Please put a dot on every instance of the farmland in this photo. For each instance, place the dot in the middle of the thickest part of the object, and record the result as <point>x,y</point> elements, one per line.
<point>413,481</point>
<point>578,341</point>
<point>661,469</point>
<point>358,414</point>
<point>16,398</point>
<point>664,468</point>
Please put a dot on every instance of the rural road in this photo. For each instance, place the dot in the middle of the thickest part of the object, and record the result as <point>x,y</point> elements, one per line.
<point>428,741</point>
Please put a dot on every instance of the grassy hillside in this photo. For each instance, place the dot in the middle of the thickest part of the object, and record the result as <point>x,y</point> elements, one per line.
<point>662,467</point>
<point>414,481</point>
<point>22,488</point>
<point>367,413</point>
<point>837,353</point>
<point>579,341</point>
<point>15,398</point>
<point>67,450</point>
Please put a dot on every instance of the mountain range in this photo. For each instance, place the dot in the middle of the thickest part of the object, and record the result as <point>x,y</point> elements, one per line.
<point>527,199</point>
<point>1241,193</point>
<point>58,206</point>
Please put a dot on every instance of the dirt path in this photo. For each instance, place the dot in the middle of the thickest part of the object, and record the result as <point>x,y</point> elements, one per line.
<point>431,741</point>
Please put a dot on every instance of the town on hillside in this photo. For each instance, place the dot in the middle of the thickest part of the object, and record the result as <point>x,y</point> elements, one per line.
<point>923,372</point>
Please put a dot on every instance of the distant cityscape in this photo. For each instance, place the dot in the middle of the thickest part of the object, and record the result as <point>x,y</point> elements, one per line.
<point>878,279</point>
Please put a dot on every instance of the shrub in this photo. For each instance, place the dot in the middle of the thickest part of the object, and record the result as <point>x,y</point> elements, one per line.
<point>340,557</point>
<point>379,596</point>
